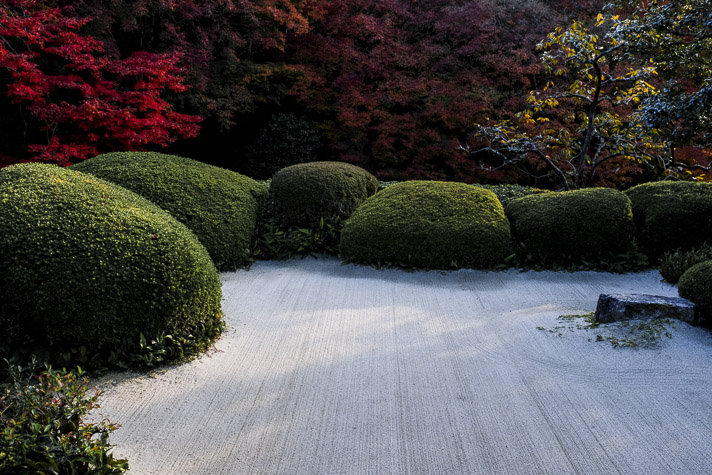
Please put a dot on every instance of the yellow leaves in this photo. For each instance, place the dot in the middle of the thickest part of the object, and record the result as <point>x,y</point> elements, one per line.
<point>600,20</point>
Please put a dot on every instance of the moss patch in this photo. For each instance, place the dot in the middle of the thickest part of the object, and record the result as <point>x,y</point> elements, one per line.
<point>627,334</point>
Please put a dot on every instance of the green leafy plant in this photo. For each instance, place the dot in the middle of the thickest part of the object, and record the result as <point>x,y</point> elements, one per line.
<point>43,428</point>
<point>632,260</point>
<point>696,285</point>
<point>675,263</point>
<point>671,215</point>
<point>274,240</point>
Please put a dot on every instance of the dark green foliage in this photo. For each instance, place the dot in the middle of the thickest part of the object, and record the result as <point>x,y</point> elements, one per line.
<point>285,140</point>
<point>672,215</point>
<point>273,241</point>
<point>304,194</point>
<point>574,226</point>
<point>696,285</point>
<point>90,268</point>
<point>428,224</point>
<point>504,191</point>
<point>43,428</point>
<point>507,193</point>
<point>218,205</point>
<point>675,263</point>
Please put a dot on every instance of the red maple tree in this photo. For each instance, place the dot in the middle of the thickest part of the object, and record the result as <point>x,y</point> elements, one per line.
<point>81,100</point>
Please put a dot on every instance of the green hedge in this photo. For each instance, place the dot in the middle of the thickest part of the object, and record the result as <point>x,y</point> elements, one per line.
<point>428,224</point>
<point>573,226</point>
<point>86,263</point>
<point>672,215</point>
<point>696,285</point>
<point>303,194</point>
<point>218,205</point>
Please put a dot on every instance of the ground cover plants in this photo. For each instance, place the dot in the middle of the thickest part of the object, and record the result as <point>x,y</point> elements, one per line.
<point>675,263</point>
<point>44,427</point>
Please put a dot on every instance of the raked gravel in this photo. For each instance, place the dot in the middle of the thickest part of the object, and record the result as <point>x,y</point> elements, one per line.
<point>341,369</point>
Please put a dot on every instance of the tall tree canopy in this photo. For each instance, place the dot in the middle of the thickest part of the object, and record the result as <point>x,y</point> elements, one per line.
<point>677,37</point>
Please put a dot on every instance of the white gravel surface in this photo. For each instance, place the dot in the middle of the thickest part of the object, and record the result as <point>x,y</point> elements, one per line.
<point>340,369</point>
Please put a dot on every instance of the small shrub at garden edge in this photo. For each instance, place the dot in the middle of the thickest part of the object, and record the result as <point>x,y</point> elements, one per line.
<point>696,285</point>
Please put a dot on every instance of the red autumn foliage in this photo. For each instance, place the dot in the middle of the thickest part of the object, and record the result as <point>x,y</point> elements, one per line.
<point>395,84</point>
<point>76,100</point>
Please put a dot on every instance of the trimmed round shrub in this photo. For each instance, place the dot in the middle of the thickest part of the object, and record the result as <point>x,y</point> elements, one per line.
<point>573,226</point>
<point>303,194</point>
<point>86,263</point>
<point>218,205</point>
<point>672,215</point>
<point>428,224</point>
<point>696,285</point>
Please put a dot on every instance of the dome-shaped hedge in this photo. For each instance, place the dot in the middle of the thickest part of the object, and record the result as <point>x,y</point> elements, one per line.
<point>218,205</point>
<point>573,226</point>
<point>88,263</point>
<point>428,224</point>
<point>696,285</point>
<point>303,194</point>
<point>672,215</point>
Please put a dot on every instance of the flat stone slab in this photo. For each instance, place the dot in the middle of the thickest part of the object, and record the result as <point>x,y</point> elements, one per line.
<point>619,307</point>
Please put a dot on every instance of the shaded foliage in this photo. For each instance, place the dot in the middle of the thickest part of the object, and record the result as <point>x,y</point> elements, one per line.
<point>44,426</point>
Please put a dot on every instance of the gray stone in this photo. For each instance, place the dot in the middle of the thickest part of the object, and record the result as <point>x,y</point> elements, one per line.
<point>618,307</point>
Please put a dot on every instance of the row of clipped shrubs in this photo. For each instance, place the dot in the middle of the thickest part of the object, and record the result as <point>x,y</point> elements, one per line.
<point>445,225</point>
<point>117,258</point>
<point>115,261</point>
